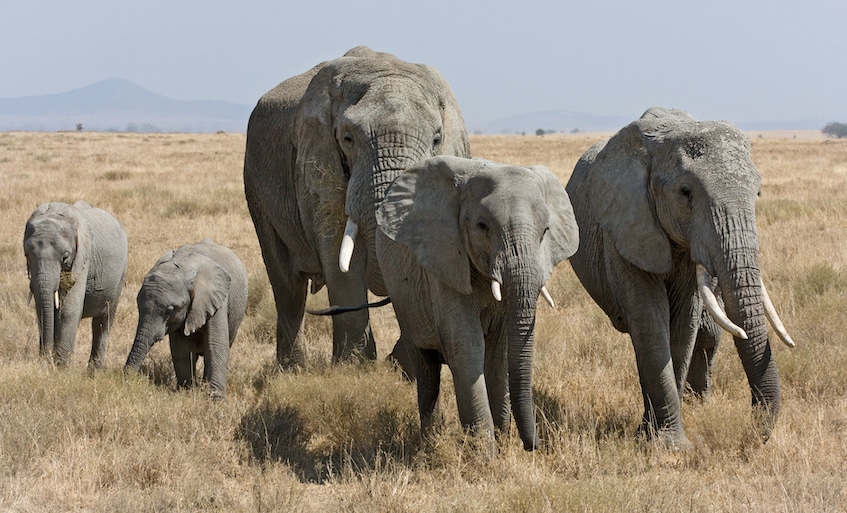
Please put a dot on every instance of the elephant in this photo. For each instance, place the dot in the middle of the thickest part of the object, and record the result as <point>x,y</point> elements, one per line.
<point>666,213</point>
<point>76,259</point>
<point>466,246</point>
<point>322,147</point>
<point>197,295</point>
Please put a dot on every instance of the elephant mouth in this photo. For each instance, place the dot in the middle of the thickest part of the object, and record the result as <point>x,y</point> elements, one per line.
<point>704,286</point>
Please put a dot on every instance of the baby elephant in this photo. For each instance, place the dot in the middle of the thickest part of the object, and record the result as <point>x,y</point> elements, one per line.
<point>76,258</point>
<point>196,295</point>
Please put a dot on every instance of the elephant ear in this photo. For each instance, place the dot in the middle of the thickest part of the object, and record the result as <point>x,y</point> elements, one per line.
<point>421,210</point>
<point>618,185</point>
<point>318,159</point>
<point>209,290</point>
<point>562,237</point>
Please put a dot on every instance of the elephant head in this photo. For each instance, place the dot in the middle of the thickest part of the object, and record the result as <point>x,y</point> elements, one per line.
<point>364,118</point>
<point>57,249</point>
<point>471,223</point>
<point>179,294</point>
<point>674,195</point>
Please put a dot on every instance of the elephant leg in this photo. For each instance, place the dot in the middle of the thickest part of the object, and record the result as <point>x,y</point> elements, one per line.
<point>496,377</point>
<point>66,329</point>
<point>100,327</point>
<point>216,354</point>
<point>703,357</point>
<point>401,358</point>
<point>427,365</point>
<point>289,289</point>
<point>351,332</point>
<point>184,358</point>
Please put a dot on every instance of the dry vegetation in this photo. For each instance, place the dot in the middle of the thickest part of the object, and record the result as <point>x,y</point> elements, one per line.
<point>345,438</point>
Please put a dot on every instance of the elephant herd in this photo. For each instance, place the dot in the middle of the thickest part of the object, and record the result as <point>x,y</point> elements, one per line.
<point>358,176</point>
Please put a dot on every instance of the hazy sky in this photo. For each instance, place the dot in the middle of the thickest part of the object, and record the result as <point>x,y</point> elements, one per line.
<point>741,60</point>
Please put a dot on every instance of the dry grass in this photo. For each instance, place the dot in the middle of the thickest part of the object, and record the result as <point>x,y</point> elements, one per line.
<point>346,437</point>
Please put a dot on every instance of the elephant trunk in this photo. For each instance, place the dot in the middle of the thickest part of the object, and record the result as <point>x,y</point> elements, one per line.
<point>144,340</point>
<point>46,286</point>
<point>522,289</point>
<point>740,281</point>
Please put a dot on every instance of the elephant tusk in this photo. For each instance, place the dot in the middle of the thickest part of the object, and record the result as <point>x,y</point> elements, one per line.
<point>773,318</point>
<point>347,243</point>
<point>56,299</point>
<point>704,282</point>
<point>548,297</point>
<point>495,290</point>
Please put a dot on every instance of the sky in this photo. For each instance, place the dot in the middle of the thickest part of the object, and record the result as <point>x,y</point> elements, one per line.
<point>739,60</point>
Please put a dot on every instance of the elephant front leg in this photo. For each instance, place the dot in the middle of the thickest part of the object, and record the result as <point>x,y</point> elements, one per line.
<point>699,377</point>
<point>100,327</point>
<point>69,317</point>
<point>351,332</point>
<point>496,378</point>
<point>427,365</point>
<point>216,353</point>
<point>684,324</point>
<point>184,357</point>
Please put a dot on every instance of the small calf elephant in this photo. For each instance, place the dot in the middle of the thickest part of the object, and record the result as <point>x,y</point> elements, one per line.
<point>76,257</point>
<point>197,295</point>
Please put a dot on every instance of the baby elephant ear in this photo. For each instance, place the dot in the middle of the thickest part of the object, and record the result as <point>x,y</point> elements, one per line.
<point>562,238</point>
<point>421,210</point>
<point>209,291</point>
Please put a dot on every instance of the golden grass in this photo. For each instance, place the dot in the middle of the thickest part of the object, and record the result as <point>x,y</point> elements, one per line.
<point>345,437</point>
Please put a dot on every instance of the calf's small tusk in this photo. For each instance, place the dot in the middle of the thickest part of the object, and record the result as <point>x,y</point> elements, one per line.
<point>548,297</point>
<point>495,290</point>
<point>773,318</point>
<point>704,282</point>
<point>56,299</point>
<point>347,243</point>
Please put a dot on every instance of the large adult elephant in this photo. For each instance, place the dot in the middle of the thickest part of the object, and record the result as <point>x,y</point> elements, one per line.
<point>321,149</point>
<point>76,258</point>
<point>466,246</point>
<point>666,212</point>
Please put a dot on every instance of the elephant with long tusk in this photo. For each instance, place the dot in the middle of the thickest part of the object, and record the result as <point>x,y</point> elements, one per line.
<point>666,208</point>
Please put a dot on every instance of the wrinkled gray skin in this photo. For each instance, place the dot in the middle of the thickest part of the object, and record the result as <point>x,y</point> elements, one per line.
<point>663,194</point>
<point>323,146</point>
<point>448,227</point>
<point>80,252</point>
<point>197,296</point>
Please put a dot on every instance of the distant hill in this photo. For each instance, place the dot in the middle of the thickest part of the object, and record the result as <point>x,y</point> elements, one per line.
<point>120,105</point>
<point>568,121</point>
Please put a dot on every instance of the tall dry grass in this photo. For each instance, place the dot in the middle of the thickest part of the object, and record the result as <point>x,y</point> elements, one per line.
<point>345,437</point>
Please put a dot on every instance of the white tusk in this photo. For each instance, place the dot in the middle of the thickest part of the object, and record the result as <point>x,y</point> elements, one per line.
<point>495,290</point>
<point>347,243</point>
<point>56,299</point>
<point>770,313</point>
<point>704,283</point>
<point>548,297</point>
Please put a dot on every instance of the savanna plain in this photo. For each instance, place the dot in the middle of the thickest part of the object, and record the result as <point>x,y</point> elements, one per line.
<point>346,437</point>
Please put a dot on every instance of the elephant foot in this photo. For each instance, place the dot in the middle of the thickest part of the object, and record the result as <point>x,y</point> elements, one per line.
<point>670,439</point>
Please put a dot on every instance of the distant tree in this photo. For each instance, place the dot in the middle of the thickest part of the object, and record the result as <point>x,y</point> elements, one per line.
<point>576,131</point>
<point>79,127</point>
<point>540,132</point>
<point>834,129</point>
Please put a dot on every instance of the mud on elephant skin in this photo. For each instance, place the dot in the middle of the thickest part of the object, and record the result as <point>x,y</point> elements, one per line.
<point>666,212</point>
<point>466,246</point>
<point>76,259</point>
<point>322,147</point>
<point>197,296</point>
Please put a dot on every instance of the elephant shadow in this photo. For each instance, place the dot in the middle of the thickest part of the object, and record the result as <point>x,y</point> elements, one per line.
<point>283,433</point>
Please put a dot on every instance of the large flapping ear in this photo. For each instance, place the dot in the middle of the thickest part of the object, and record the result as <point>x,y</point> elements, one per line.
<point>620,201</point>
<point>318,160</point>
<point>562,237</point>
<point>209,290</point>
<point>421,210</point>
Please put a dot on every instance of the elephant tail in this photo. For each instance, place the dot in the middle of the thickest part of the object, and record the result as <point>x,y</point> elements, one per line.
<point>335,310</point>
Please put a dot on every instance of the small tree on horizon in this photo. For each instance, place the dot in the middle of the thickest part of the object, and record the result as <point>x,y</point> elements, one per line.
<point>834,129</point>
<point>79,127</point>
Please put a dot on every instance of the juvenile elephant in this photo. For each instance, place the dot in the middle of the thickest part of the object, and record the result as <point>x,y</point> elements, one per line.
<point>466,246</point>
<point>666,212</point>
<point>197,296</point>
<point>76,258</point>
<point>321,149</point>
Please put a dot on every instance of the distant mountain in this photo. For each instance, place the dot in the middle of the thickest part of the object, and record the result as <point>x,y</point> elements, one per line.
<point>120,105</point>
<point>554,120</point>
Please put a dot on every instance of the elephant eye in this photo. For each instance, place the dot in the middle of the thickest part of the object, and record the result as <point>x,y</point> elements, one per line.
<point>348,138</point>
<point>482,225</point>
<point>546,229</point>
<point>436,141</point>
<point>66,256</point>
<point>169,309</point>
<point>685,189</point>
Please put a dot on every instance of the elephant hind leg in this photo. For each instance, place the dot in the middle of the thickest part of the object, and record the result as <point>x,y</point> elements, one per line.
<point>699,379</point>
<point>427,365</point>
